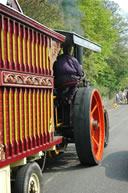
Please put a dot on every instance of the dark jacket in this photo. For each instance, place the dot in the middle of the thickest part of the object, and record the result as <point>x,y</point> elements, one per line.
<point>66,69</point>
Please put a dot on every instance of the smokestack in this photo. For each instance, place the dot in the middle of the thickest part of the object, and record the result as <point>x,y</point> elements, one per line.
<point>78,53</point>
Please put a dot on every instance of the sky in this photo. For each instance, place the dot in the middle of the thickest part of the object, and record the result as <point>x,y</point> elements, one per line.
<point>3,1</point>
<point>123,4</point>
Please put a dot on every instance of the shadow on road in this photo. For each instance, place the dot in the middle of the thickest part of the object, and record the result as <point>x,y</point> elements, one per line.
<point>116,165</point>
<point>64,162</point>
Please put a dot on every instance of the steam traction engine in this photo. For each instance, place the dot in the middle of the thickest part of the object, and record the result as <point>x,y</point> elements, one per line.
<point>28,107</point>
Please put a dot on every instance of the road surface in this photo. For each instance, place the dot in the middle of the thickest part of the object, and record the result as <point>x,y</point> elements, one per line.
<point>65,174</point>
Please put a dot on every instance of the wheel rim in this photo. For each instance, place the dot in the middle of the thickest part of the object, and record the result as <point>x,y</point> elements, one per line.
<point>106,137</point>
<point>34,184</point>
<point>97,125</point>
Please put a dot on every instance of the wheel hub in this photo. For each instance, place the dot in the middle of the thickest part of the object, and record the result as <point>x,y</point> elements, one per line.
<point>32,187</point>
<point>95,124</point>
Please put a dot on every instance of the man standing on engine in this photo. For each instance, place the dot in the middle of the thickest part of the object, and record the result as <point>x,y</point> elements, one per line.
<point>67,71</point>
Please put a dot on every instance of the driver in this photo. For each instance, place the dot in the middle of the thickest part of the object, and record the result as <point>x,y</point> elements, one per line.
<point>67,71</point>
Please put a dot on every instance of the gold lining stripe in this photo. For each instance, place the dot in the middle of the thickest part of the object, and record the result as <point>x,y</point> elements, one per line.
<point>44,55</point>
<point>2,43</point>
<point>36,56</point>
<point>15,107</point>
<point>20,103</point>
<point>10,114</point>
<point>19,44</point>
<point>52,121</point>
<point>34,133</point>
<point>19,50</point>
<point>50,57</point>
<point>45,128</point>
<point>28,54</point>
<point>13,37</point>
<point>40,54</point>
<point>48,111</point>
<point>37,112</point>
<point>32,47</point>
<point>4,109</point>
<point>41,101</point>
<point>8,46</point>
<point>29,102</point>
<point>25,113</point>
<point>24,51</point>
<point>47,55</point>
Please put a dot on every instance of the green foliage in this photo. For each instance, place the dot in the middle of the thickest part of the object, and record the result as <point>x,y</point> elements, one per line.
<point>104,24</point>
<point>72,16</point>
<point>46,12</point>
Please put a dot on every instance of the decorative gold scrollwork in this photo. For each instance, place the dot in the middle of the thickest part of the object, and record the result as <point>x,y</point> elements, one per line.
<point>49,82</point>
<point>28,80</point>
<point>43,82</point>
<point>46,82</point>
<point>36,81</point>
<point>19,79</point>
<point>10,78</point>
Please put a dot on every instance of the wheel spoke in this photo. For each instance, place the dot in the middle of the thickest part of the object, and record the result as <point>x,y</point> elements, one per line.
<point>94,108</point>
<point>91,125</point>
<point>96,99</point>
<point>95,141</point>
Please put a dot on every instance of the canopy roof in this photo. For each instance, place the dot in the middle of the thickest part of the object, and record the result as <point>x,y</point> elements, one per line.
<point>73,38</point>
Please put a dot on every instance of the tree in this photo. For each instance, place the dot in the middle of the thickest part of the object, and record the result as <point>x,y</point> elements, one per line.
<point>72,15</point>
<point>118,59</point>
<point>46,12</point>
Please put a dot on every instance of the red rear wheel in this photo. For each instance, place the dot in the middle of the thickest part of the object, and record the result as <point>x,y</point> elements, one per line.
<point>88,123</point>
<point>97,125</point>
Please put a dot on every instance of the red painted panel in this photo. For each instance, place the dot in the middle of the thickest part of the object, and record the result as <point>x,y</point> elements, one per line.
<point>30,50</point>
<point>20,50</point>
<point>18,120</point>
<point>26,54</point>
<point>46,44</point>
<point>43,132</point>
<point>10,30</point>
<point>30,22</point>
<point>5,29</point>
<point>41,54</point>
<point>1,119</point>
<point>15,27</point>
<point>29,153</point>
<point>22,119</point>
<point>1,62</point>
<point>27,79</point>
<point>7,136</point>
<point>49,58</point>
<point>22,102</point>
<point>12,126</point>
<point>34,51</point>
<point>37,53</point>
<point>27,119</point>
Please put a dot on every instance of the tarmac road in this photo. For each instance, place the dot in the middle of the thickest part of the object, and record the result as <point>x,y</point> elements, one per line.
<point>65,174</point>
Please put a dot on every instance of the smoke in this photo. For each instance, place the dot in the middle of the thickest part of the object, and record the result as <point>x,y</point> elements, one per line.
<point>72,16</point>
